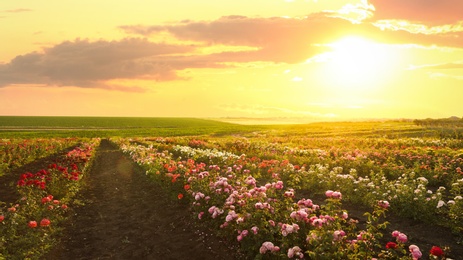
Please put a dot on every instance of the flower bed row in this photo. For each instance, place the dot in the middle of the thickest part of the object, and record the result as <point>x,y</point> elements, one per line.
<point>29,227</point>
<point>412,195</point>
<point>17,152</point>
<point>262,212</point>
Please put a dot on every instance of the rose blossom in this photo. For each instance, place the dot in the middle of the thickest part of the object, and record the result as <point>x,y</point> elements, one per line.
<point>32,224</point>
<point>391,245</point>
<point>254,230</point>
<point>440,203</point>
<point>416,253</point>
<point>329,193</point>
<point>295,252</point>
<point>436,251</point>
<point>338,235</point>
<point>402,238</point>
<point>344,215</point>
<point>337,195</point>
<point>45,222</point>
<point>383,204</point>
<point>268,246</point>
<point>278,185</point>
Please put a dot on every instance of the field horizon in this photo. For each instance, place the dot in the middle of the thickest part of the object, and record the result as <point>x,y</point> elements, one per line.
<point>14,121</point>
<point>93,126</point>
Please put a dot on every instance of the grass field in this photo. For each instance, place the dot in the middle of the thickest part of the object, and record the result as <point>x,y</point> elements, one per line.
<point>27,127</point>
<point>49,126</point>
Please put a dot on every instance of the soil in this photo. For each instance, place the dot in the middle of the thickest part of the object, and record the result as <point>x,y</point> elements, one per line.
<point>125,215</point>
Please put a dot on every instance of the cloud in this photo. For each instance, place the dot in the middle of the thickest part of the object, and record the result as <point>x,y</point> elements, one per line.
<point>89,64</point>
<point>441,66</point>
<point>84,63</point>
<point>19,10</point>
<point>429,12</point>
<point>278,39</point>
<point>444,76</point>
<point>289,40</point>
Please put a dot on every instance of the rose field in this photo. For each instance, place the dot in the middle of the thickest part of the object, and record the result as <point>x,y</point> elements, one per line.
<point>366,190</point>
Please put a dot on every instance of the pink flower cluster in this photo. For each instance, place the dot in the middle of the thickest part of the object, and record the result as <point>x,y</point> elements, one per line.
<point>251,181</point>
<point>222,185</point>
<point>268,247</point>
<point>320,221</point>
<point>289,193</point>
<point>260,205</point>
<point>231,216</point>
<point>215,211</point>
<point>401,237</point>
<point>242,234</point>
<point>338,235</point>
<point>333,194</point>
<point>300,215</point>
<point>383,204</point>
<point>295,252</point>
<point>287,229</point>
<point>415,250</point>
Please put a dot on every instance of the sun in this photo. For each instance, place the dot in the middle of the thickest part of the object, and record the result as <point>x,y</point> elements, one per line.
<point>357,63</point>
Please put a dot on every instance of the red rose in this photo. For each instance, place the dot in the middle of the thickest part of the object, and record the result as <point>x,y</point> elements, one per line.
<point>180,196</point>
<point>391,245</point>
<point>32,224</point>
<point>436,251</point>
<point>2,218</point>
<point>45,200</point>
<point>45,222</point>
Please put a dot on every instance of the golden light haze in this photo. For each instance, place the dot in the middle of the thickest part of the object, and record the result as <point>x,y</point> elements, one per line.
<point>312,60</point>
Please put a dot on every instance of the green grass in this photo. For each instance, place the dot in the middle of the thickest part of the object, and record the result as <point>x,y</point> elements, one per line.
<point>30,127</point>
<point>47,126</point>
<point>103,122</point>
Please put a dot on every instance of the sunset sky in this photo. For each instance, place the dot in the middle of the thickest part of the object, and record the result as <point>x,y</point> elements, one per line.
<point>315,60</point>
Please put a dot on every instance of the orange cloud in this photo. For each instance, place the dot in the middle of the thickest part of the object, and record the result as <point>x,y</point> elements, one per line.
<point>83,63</point>
<point>290,40</point>
<point>19,10</point>
<point>88,64</point>
<point>278,39</point>
<point>429,12</point>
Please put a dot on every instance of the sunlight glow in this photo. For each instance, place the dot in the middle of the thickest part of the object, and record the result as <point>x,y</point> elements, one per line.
<point>358,63</point>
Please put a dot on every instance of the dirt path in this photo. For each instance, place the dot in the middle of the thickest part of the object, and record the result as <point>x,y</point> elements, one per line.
<point>127,216</point>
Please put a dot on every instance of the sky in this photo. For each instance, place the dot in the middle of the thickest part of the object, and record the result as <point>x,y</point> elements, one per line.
<point>311,60</point>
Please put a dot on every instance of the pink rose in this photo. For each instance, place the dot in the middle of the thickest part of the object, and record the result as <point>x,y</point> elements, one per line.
<point>329,193</point>
<point>402,238</point>
<point>416,253</point>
